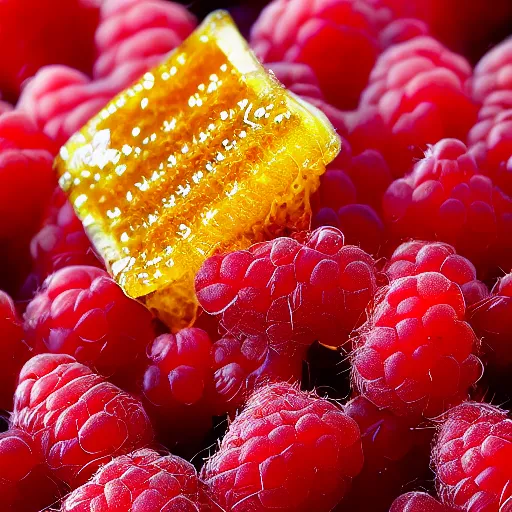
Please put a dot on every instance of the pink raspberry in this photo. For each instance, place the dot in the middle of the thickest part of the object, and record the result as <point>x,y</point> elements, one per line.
<point>395,453</point>
<point>415,257</point>
<point>416,96</point>
<point>77,419</point>
<point>418,502</point>
<point>39,32</point>
<point>415,355</point>
<point>25,482</point>
<point>13,349</point>
<point>177,384</point>
<point>62,241</point>
<point>493,72</point>
<point>143,480</point>
<point>131,31</point>
<point>81,311</point>
<point>444,198</point>
<point>287,450</point>
<point>472,458</point>
<point>276,298</point>
<point>336,38</point>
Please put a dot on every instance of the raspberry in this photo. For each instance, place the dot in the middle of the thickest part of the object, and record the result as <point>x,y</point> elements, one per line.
<point>23,473</point>
<point>13,349</point>
<point>142,480</point>
<point>62,241</point>
<point>287,450</point>
<point>414,257</point>
<point>277,298</point>
<point>472,458</point>
<point>445,198</point>
<point>490,140</point>
<point>416,96</point>
<point>177,382</point>
<point>418,502</point>
<point>77,419</point>
<point>81,311</point>
<point>336,38</point>
<point>493,72</point>
<point>414,356</point>
<point>394,454</point>
<point>131,31</point>
<point>36,33</point>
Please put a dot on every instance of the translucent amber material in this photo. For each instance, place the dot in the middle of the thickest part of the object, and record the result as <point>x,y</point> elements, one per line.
<point>207,152</point>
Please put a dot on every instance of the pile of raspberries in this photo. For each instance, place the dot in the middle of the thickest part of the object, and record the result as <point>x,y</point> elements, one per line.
<point>359,366</point>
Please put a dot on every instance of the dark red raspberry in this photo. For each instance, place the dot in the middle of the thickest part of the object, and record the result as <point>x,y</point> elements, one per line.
<point>25,482</point>
<point>444,198</point>
<point>81,311</point>
<point>416,356</point>
<point>287,450</point>
<point>39,32</point>
<point>62,241</point>
<point>414,257</point>
<point>141,481</point>
<point>493,72</point>
<point>77,419</point>
<point>13,349</point>
<point>337,38</point>
<point>418,502</point>
<point>472,458</point>
<point>275,299</point>
<point>395,453</point>
<point>177,384</point>
<point>131,31</point>
<point>416,97</point>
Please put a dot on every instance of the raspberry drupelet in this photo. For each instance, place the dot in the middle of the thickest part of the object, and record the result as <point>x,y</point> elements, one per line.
<point>140,481</point>
<point>414,257</point>
<point>81,311</point>
<point>13,349</point>
<point>287,450</point>
<point>416,355</point>
<point>416,96</point>
<point>418,502</point>
<point>445,198</point>
<point>25,482</point>
<point>276,298</point>
<point>138,32</point>
<point>78,420</point>
<point>472,458</point>
<point>61,242</point>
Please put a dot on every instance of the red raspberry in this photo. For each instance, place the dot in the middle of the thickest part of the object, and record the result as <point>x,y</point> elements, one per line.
<point>278,297</point>
<point>176,383</point>
<point>39,32</point>
<point>77,419</point>
<point>81,311</point>
<point>490,139</point>
<point>493,72</point>
<point>25,482</point>
<point>143,481</point>
<point>472,458</point>
<point>414,257</point>
<point>336,38</point>
<point>416,97</point>
<point>415,356</point>
<point>445,198</point>
<point>13,348</point>
<point>62,241</point>
<point>395,453</point>
<point>287,450</point>
<point>131,31</point>
<point>418,502</point>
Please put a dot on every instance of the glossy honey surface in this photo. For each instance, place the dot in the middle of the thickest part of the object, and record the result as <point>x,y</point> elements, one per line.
<point>206,152</point>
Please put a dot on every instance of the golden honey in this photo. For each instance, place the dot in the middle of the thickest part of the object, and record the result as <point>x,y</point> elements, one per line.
<point>205,153</point>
